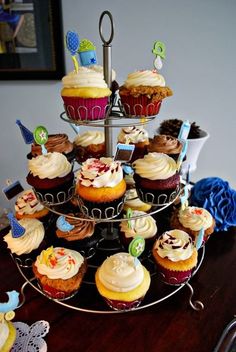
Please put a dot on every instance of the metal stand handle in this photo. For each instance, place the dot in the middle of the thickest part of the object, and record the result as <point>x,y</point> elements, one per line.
<point>196,305</point>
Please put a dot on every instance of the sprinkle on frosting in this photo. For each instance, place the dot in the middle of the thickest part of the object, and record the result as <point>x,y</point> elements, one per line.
<point>103,172</point>
<point>27,203</point>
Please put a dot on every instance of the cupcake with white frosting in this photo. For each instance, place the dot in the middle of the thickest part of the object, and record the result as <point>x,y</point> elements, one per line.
<point>85,94</point>
<point>142,225</point>
<point>52,177</point>
<point>137,136</point>
<point>133,202</point>
<point>59,271</point>
<point>143,92</point>
<point>101,187</point>
<point>122,281</point>
<point>175,255</point>
<point>192,220</point>
<point>90,144</point>
<point>156,178</point>
<point>26,247</point>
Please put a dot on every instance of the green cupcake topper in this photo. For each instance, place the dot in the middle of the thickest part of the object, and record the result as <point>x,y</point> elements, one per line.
<point>159,50</point>
<point>136,246</point>
<point>41,136</point>
<point>86,45</point>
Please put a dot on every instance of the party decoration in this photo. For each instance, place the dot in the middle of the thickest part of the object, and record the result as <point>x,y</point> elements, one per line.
<point>136,246</point>
<point>182,154</point>
<point>184,198</point>
<point>64,225</point>
<point>41,137</point>
<point>48,257</point>
<point>216,195</point>
<point>16,229</point>
<point>159,50</point>
<point>87,53</point>
<point>184,130</point>
<point>73,43</point>
<point>26,133</point>
<point>199,238</point>
<point>12,189</point>
<point>124,152</point>
<point>129,214</point>
<point>10,305</point>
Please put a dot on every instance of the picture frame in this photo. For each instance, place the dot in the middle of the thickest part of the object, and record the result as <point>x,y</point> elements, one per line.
<point>31,40</point>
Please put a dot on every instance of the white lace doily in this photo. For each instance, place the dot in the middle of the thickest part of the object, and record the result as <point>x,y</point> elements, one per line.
<point>30,338</point>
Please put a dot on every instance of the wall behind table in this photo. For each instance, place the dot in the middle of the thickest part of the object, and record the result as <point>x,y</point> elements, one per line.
<point>199,67</point>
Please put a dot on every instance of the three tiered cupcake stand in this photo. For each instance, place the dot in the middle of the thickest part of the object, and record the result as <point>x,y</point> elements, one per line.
<point>87,299</point>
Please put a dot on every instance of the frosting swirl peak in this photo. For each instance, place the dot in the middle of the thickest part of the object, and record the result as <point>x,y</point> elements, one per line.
<point>195,218</point>
<point>144,78</point>
<point>132,134</point>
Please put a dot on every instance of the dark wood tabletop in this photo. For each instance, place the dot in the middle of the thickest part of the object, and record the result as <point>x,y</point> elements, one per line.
<point>171,325</point>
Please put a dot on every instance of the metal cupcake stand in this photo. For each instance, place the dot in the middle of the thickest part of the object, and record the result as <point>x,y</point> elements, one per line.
<point>108,243</point>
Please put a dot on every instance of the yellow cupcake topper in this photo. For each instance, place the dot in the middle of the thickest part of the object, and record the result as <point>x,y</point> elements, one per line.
<point>48,257</point>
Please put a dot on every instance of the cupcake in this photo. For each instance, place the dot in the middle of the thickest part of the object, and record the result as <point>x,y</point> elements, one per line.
<point>122,281</point>
<point>165,144</point>
<point>85,94</point>
<point>72,231</point>
<point>133,202</point>
<point>143,226</point>
<point>143,92</point>
<point>90,144</point>
<point>137,136</point>
<point>28,206</point>
<point>156,178</point>
<point>52,177</point>
<point>175,256</point>
<point>25,245</point>
<point>55,143</point>
<point>101,187</point>
<point>192,220</point>
<point>59,272</point>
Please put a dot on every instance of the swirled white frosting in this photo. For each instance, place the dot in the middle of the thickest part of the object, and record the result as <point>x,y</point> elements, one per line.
<point>119,273</point>
<point>33,236</point>
<point>145,226</point>
<point>103,172</point>
<point>155,166</point>
<point>175,245</point>
<point>85,77</point>
<point>50,165</point>
<point>4,333</point>
<point>64,263</point>
<point>99,68</point>
<point>144,78</point>
<point>195,218</point>
<point>27,203</point>
<point>89,137</point>
<point>132,134</point>
<point>132,200</point>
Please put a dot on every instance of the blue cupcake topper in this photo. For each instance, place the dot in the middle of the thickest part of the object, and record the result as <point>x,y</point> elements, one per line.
<point>26,134</point>
<point>73,43</point>
<point>87,53</point>
<point>182,154</point>
<point>184,198</point>
<point>16,229</point>
<point>199,238</point>
<point>184,130</point>
<point>12,304</point>
<point>64,225</point>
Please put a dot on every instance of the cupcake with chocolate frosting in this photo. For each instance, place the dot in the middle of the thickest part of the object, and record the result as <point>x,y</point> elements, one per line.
<point>165,144</point>
<point>175,256</point>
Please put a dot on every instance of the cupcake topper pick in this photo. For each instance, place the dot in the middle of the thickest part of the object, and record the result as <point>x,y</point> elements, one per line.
<point>16,229</point>
<point>72,43</point>
<point>63,225</point>
<point>184,198</point>
<point>129,214</point>
<point>41,137</point>
<point>184,130</point>
<point>87,53</point>
<point>199,238</point>
<point>7,308</point>
<point>136,248</point>
<point>26,134</point>
<point>159,50</point>
<point>182,154</point>
<point>48,257</point>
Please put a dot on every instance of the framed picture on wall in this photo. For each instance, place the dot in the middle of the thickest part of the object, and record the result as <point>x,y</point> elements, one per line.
<point>31,40</point>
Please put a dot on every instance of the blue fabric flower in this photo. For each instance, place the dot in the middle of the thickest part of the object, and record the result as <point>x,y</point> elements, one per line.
<point>215,195</point>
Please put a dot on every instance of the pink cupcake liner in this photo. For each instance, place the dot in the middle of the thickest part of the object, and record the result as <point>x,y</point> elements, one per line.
<point>56,294</point>
<point>173,277</point>
<point>86,109</point>
<point>122,305</point>
<point>140,106</point>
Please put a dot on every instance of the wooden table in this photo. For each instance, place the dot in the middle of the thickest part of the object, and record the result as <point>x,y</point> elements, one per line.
<point>168,326</point>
